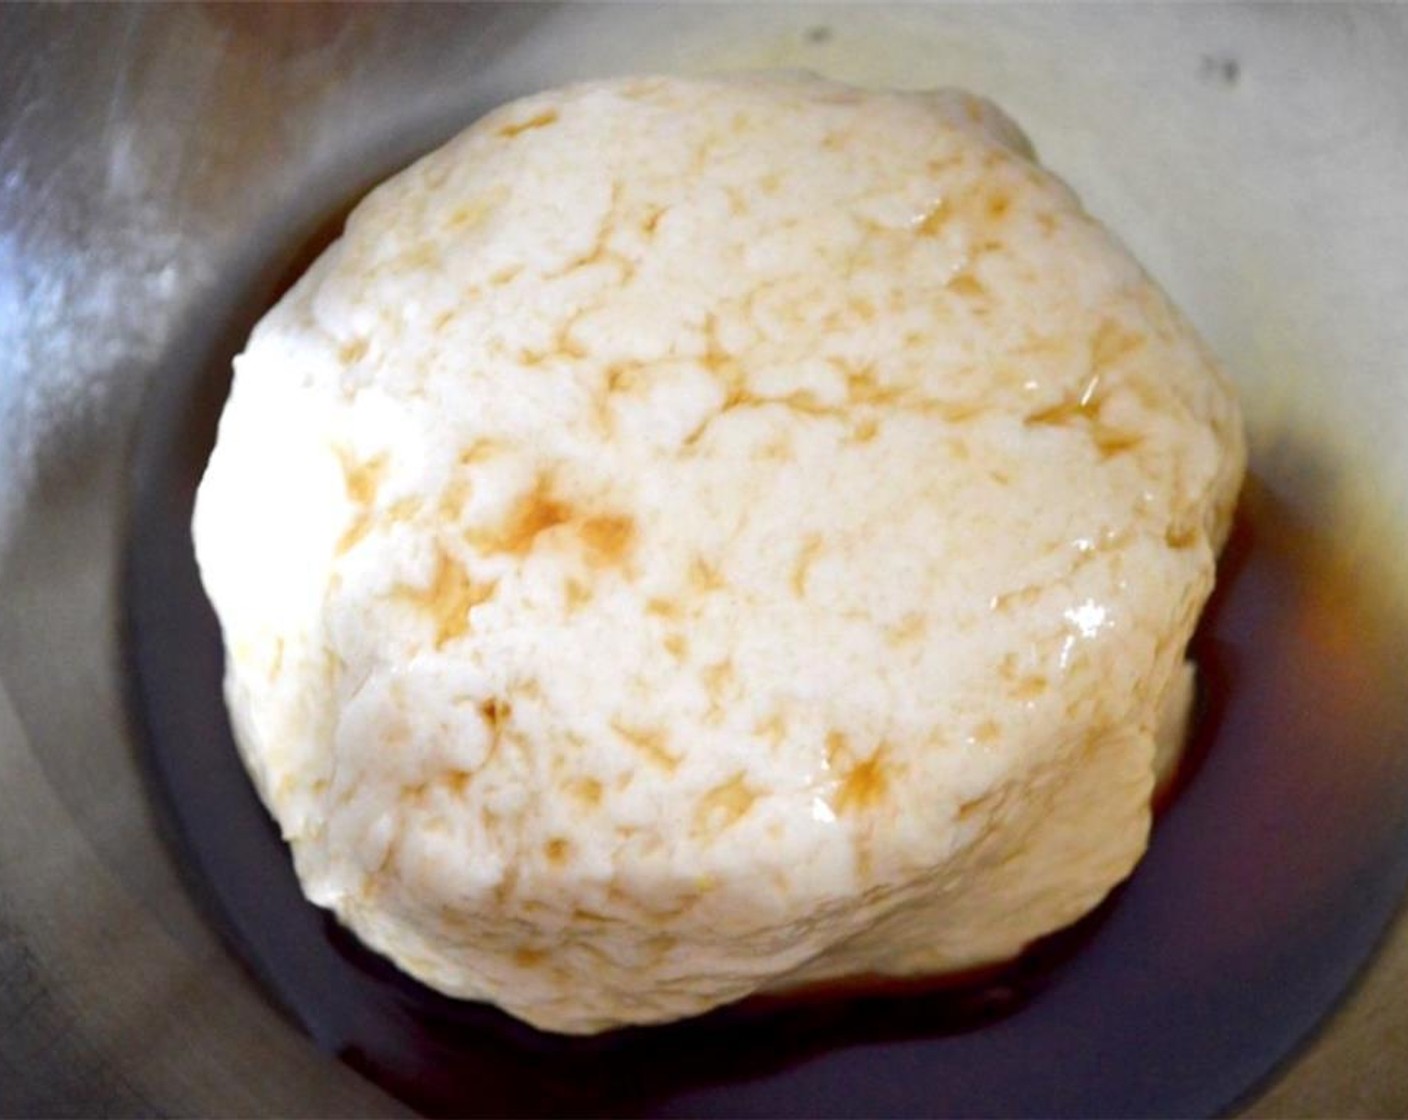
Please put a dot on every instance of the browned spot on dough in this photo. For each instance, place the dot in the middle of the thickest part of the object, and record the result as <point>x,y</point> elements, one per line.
<point>609,538</point>
<point>811,548</point>
<point>862,308</point>
<point>480,451</point>
<point>704,577</point>
<point>865,785</point>
<point>664,608</point>
<point>967,285</point>
<point>716,358</point>
<point>623,377</point>
<point>1181,536</point>
<point>939,164</point>
<point>1034,344</point>
<point>496,712</point>
<point>577,593</point>
<point>778,449</point>
<point>675,645</point>
<point>955,412</point>
<point>1030,687</point>
<point>1020,597</point>
<point>396,735</point>
<point>934,220</point>
<point>865,430</point>
<point>557,850</point>
<point>362,480</point>
<point>773,729</point>
<point>506,887</point>
<point>587,790</point>
<point>1111,343</point>
<point>419,258</point>
<point>1111,441</point>
<point>403,510</point>
<point>717,676</point>
<point>540,119</point>
<point>471,213</point>
<point>358,529</point>
<point>536,512</point>
<point>449,598</point>
<point>533,358</point>
<point>352,351</point>
<point>453,498</point>
<point>909,629</point>
<point>458,781</point>
<point>724,805</point>
<point>1086,412</point>
<point>568,345</point>
<point>989,731</point>
<point>998,203</point>
<point>1063,413</point>
<point>864,388</point>
<point>650,742</point>
<point>803,401</point>
<point>529,958</point>
<point>990,804</point>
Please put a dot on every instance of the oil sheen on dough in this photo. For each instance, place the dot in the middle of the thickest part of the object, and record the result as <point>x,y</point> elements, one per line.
<point>691,537</point>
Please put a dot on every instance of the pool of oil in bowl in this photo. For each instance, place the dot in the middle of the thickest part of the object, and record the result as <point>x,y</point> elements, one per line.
<point>1273,869</point>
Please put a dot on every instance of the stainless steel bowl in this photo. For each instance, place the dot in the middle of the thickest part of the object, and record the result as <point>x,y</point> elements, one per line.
<point>159,164</point>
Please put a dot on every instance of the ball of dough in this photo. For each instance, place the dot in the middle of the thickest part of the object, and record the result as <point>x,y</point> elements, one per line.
<point>690,537</point>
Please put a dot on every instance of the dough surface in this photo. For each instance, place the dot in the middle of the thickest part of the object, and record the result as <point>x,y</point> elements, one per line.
<point>690,537</point>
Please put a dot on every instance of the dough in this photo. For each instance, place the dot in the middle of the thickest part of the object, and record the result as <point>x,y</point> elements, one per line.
<point>695,537</point>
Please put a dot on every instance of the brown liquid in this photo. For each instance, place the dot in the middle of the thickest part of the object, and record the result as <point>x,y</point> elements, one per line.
<point>1269,879</point>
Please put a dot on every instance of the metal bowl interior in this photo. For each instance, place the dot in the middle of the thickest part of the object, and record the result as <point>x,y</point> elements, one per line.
<point>160,170</point>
